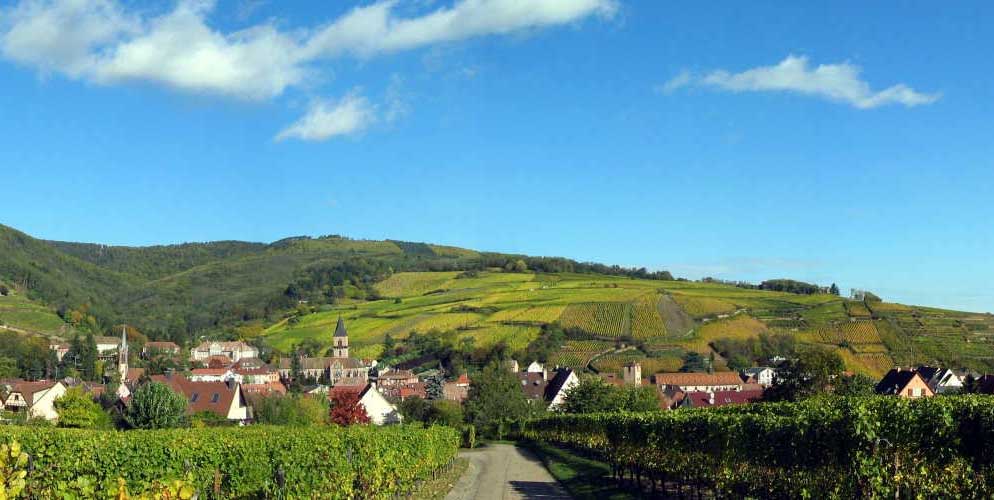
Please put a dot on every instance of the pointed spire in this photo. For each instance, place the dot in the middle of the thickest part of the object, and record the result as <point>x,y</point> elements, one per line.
<point>340,328</point>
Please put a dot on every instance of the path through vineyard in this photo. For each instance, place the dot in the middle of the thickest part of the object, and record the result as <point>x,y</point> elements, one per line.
<point>504,471</point>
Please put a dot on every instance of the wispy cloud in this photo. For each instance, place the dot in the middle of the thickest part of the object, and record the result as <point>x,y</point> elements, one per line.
<point>837,82</point>
<point>104,42</point>
<point>325,119</point>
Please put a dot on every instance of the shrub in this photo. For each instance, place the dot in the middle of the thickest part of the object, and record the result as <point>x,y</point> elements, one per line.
<point>156,406</point>
<point>253,462</point>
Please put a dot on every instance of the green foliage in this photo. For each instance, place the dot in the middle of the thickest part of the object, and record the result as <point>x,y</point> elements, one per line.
<point>437,412</point>
<point>810,373</point>
<point>156,406</point>
<point>496,402</point>
<point>78,410</point>
<point>293,409</point>
<point>594,395</point>
<point>8,368</point>
<point>855,385</point>
<point>790,286</point>
<point>230,463</point>
<point>873,447</point>
<point>13,470</point>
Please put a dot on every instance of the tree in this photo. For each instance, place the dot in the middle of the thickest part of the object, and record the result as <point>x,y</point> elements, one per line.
<point>694,362</point>
<point>295,410</point>
<point>638,398</point>
<point>811,373</point>
<point>435,387</point>
<point>496,401</point>
<point>834,289</point>
<point>88,358</point>
<point>78,410</point>
<point>4,291</point>
<point>445,412</point>
<point>414,409</point>
<point>156,406</point>
<point>346,409</point>
<point>8,368</point>
<point>591,395</point>
<point>855,385</point>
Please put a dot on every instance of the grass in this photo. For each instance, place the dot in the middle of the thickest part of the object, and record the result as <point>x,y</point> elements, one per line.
<point>582,477</point>
<point>17,311</point>
<point>438,488</point>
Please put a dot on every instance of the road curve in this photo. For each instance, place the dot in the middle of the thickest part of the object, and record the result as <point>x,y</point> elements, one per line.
<point>504,472</point>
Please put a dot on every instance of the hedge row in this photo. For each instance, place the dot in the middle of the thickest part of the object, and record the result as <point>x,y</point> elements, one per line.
<point>832,447</point>
<point>253,462</point>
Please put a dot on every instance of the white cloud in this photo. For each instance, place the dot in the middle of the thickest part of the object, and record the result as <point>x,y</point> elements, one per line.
<point>838,82</point>
<point>373,29</point>
<point>99,41</point>
<point>350,115</point>
<point>63,36</point>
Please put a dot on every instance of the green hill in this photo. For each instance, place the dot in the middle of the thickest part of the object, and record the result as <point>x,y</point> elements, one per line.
<point>294,290</point>
<point>650,317</point>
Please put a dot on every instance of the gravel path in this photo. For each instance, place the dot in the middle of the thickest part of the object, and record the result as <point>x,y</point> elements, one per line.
<point>503,471</point>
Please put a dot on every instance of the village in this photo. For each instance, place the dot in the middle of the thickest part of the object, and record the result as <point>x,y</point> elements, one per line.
<point>227,379</point>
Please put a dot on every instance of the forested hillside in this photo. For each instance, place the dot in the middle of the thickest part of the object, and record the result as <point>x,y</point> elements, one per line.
<point>179,291</point>
<point>289,293</point>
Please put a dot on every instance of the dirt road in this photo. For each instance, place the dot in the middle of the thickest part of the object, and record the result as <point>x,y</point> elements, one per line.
<point>503,471</point>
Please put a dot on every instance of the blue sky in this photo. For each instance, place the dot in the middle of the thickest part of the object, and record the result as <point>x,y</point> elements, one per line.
<point>837,141</point>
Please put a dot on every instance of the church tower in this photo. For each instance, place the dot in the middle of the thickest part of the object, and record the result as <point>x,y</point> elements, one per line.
<point>122,355</point>
<point>340,346</point>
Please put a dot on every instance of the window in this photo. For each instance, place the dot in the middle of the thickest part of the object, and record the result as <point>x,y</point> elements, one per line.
<point>195,397</point>
<point>215,398</point>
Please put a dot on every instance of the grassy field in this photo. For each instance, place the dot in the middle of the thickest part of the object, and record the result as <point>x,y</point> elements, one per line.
<point>17,311</point>
<point>664,319</point>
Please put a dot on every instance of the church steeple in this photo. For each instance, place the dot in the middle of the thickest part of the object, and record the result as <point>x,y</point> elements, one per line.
<point>340,348</point>
<point>122,354</point>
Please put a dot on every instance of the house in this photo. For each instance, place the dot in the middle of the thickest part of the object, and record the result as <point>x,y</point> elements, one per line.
<point>234,351</point>
<point>552,391</point>
<point>762,375</point>
<point>394,378</point>
<point>458,390</point>
<point>940,380</point>
<point>35,398</point>
<point>213,375</point>
<point>904,383</point>
<point>563,381</point>
<point>711,399</point>
<point>700,382</point>
<point>155,348</point>
<point>225,399</point>
<point>379,410</point>
<point>535,367</point>
<point>60,350</point>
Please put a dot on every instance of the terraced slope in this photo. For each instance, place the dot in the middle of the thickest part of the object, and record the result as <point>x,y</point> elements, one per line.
<point>663,319</point>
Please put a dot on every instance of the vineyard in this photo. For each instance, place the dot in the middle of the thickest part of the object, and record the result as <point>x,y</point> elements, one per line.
<point>228,463</point>
<point>494,306</point>
<point>646,322</point>
<point>703,307</point>
<point>612,319</point>
<point>827,448</point>
<point>577,353</point>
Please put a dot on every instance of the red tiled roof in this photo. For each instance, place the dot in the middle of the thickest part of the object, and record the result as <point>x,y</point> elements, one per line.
<point>29,389</point>
<point>274,387</point>
<point>699,399</point>
<point>208,371</point>
<point>216,397</point>
<point>696,379</point>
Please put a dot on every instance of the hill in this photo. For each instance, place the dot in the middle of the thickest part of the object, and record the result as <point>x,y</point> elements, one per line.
<point>659,322</point>
<point>179,292</point>
<point>293,290</point>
